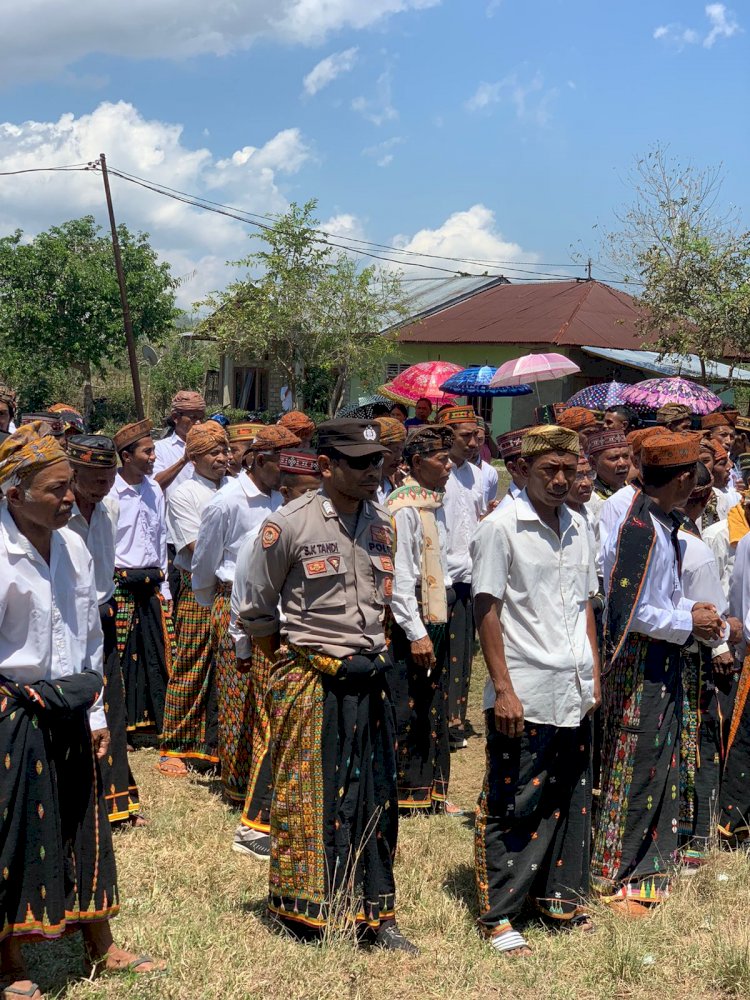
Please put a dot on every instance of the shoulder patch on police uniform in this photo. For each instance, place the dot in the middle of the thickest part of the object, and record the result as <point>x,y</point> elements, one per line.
<point>270,535</point>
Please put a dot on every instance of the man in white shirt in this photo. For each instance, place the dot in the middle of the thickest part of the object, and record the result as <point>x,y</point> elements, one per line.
<point>190,728</point>
<point>144,625</point>
<point>55,842</point>
<point>609,454</point>
<point>615,508</point>
<point>393,437</point>
<point>533,580</point>
<point>236,510</point>
<point>94,517</point>
<point>172,465</point>
<point>489,472</point>
<point>420,603</point>
<point>463,505</point>
<point>509,446</point>
<point>647,622</point>
<point>723,536</point>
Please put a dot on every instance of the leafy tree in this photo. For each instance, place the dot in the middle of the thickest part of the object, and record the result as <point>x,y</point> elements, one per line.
<point>311,312</point>
<point>691,263</point>
<point>59,298</point>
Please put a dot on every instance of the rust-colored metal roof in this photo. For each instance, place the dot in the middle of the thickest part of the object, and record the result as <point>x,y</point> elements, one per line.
<point>564,313</point>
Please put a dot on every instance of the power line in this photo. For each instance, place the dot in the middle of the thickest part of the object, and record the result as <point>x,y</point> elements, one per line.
<point>39,170</point>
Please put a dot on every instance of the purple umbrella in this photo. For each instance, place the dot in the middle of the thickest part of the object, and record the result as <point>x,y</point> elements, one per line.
<point>598,397</point>
<point>656,392</point>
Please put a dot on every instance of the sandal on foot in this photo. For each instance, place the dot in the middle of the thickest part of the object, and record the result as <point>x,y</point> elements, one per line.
<point>172,767</point>
<point>580,922</point>
<point>13,990</point>
<point>628,908</point>
<point>509,942</point>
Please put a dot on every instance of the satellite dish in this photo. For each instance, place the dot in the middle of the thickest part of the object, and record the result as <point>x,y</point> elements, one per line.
<point>150,354</point>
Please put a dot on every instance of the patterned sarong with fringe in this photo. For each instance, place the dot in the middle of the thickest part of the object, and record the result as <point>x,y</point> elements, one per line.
<point>234,700</point>
<point>256,813</point>
<point>120,789</point>
<point>334,811</point>
<point>190,712</point>
<point>145,642</point>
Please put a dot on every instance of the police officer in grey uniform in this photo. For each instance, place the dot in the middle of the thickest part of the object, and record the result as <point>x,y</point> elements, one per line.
<point>324,563</point>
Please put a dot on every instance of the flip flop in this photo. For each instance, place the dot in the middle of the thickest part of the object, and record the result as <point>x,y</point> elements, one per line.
<point>13,990</point>
<point>510,941</point>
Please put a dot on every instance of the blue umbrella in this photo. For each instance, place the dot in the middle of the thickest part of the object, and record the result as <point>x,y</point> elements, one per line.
<point>475,381</point>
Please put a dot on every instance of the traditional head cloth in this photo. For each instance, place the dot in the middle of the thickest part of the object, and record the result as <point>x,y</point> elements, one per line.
<point>741,424</point>
<point>131,433</point>
<point>186,400</point>
<point>300,463</point>
<point>7,396</point>
<point>708,444</point>
<point>92,450</point>
<point>605,440</point>
<point>392,431</point>
<point>670,413</point>
<point>669,449</point>
<point>53,423</point>
<point>203,437</point>
<point>576,418</point>
<point>457,415</point>
<point>243,432</point>
<point>274,437</point>
<point>427,438</point>
<point>27,451</point>
<point>71,418</point>
<point>722,419</point>
<point>636,438</point>
<point>510,443</point>
<point>549,437</point>
<point>720,452</point>
<point>298,423</point>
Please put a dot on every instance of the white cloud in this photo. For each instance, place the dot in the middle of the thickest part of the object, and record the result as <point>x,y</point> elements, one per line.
<point>529,98</point>
<point>722,24</point>
<point>472,234</point>
<point>378,109</point>
<point>382,152</point>
<point>43,37</point>
<point>328,69</point>
<point>195,242</point>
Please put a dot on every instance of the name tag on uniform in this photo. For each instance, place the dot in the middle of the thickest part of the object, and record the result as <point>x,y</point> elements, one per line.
<point>332,566</point>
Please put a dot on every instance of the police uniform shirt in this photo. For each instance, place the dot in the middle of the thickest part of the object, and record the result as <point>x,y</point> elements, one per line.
<point>334,587</point>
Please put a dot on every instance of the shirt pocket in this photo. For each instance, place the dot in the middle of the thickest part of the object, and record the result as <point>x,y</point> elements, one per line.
<point>323,584</point>
<point>382,569</point>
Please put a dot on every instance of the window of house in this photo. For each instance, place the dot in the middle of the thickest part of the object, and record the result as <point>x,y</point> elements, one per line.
<point>482,406</point>
<point>393,369</point>
<point>251,388</point>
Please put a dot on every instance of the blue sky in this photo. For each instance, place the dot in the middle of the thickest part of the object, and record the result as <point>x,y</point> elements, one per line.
<point>497,130</point>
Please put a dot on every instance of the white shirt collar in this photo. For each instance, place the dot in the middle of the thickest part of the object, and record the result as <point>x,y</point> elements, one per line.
<point>525,511</point>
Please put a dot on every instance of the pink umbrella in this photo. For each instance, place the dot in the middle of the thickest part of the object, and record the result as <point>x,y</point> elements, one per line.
<point>422,380</point>
<point>534,368</point>
<point>656,392</point>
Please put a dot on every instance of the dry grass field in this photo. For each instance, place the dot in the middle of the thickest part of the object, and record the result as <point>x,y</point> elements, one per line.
<point>187,897</point>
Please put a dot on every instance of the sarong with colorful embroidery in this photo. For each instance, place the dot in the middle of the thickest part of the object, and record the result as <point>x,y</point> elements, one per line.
<point>57,863</point>
<point>334,811</point>
<point>145,641</point>
<point>637,824</point>
<point>190,712</point>
<point>256,813</point>
<point>234,702</point>
<point>734,813</point>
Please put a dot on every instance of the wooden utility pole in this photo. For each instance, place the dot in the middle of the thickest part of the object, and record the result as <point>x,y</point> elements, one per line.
<point>132,357</point>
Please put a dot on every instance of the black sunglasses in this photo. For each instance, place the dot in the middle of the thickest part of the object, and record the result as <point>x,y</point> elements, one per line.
<point>362,462</point>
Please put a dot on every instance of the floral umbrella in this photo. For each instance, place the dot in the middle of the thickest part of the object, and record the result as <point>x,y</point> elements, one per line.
<point>422,380</point>
<point>475,381</point>
<point>656,392</point>
<point>598,397</point>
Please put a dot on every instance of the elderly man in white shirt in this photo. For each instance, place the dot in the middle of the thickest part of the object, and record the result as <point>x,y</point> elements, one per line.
<point>190,730</point>
<point>648,620</point>
<point>236,511</point>
<point>144,625</point>
<point>533,580</point>
<point>95,516</point>
<point>463,505</point>
<point>55,842</point>
<point>420,603</point>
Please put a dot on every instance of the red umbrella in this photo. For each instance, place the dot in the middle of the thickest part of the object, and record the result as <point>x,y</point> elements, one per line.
<point>422,381</point>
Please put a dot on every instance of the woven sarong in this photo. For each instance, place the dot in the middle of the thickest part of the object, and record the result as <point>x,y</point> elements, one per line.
<point>145,641</point>
<point>256,813</point>
<point>190,711</point>
<point>120,789</point>
<point>57,865</point>
<point>334,813</point>
<point>235,703</point>
<point>734,816</point>
<point>460,651</point>
<point>421,705</point>
<point>636,829</point>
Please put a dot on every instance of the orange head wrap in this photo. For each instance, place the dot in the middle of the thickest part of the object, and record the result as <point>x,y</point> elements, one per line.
<point>576,418</point>
<point>392,431</point>
<point>27,451</point>
<point>298,423</point>
<point>203,437</point>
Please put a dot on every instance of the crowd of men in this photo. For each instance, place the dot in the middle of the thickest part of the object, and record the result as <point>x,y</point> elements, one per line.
<point>295,606</point>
